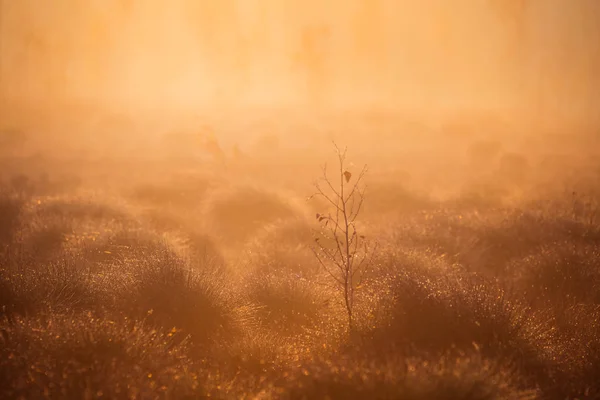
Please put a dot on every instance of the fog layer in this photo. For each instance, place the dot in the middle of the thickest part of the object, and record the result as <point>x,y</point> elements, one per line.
<point>536,55</point>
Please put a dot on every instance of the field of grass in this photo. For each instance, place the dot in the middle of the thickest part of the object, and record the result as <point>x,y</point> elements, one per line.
<point>170,277</point>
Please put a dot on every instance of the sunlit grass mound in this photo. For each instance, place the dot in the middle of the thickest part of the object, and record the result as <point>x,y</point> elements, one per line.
<point>77,255</point>
<point>85,207</point>
<point>437,307</point>
<point>47,267</point>
<point>291,305</point>
<point>561,273</point>
<point>466,376</point>
<point>37,272</point>
<point>202,250</point>
<point>487,241</point>
<point>47,225</point>
<point>579,325</point>
<point>171,294</point>
<point>153,278</point>
<point>235,213</point>
<point>77,356</point>
<point>284,248</point>
<point>64,284</point>
<point>282,278</point>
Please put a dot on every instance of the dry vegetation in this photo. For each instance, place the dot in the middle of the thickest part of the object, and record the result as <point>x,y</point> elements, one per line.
<point>174,274</point>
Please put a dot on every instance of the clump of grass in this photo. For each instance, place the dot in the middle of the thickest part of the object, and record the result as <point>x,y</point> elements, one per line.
<point>560,274</point>
<point>419,301</point>
<point>375,295</point>
<point>485,242</point>
<point>152,281</point>
<point>50,266</point>
<point>236,213</point>
<point>64,283</point>
<point>119,245</point>
<point>47,226</point>
<point>47,242</point>
<point>38,271</point>
<point>451,376</point>
<point>40,239</point>
<point>78,356</point>
<point>291,305</point>
<point>202,250</point>
<point>172,295</point>
<point>81,209</point>
<point>579,377</point>
<point>130,272</point>
<point>282,248</point>
<point>255,356</point>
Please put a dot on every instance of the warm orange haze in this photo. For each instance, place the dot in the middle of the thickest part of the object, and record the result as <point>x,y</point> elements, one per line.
<point>285,199</point>
<point>399,54</point>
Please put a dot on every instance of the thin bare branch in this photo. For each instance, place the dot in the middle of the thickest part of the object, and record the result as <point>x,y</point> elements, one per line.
<point>324,195</point>
<point>331,255</point>
<point>360,203</point>
<point>357,183</point>
<point>351,212</point>
<point>338,280</point>
<point>372,254</point>
<point>326,179</point>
